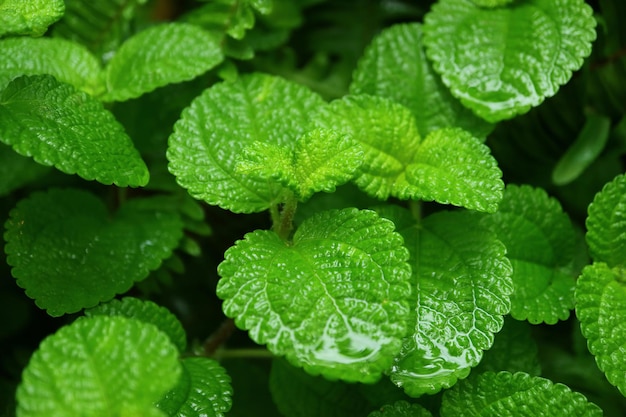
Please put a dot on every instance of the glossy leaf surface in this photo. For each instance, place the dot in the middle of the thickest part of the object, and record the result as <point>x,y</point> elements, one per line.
<point>401,409</point>
<point>334,301</point>
<point>18,17</point>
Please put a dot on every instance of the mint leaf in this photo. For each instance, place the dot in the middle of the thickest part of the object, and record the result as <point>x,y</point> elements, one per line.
<point>506,394</point>
<point>69,253</point>
<point>158,56</point>
<point>16,170</point>
<point>601,309</point>
<point>396,57</point>
<point>453,167</point>
<point>203,390</point>
<point>334,300</point>
<point>401,409</point>
<point>18,17</point>
<point>147,312</point>
<point>540,243</point>
<point>492,3</point>
<point>57,125</point>
<point>533,47</point>
<point>99,366</point>
<point>206,145</point>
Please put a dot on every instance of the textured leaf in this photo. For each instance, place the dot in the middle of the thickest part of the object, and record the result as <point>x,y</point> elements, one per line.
<point>68,253</point>
<point>19,17</point>
<point>204,390</point>
<point>147,312</point>
<point>57,125</point>
<point>463,284</point>
<point>206,145</point>
<point>601,309</point>
<point>401,409</point>
<point>388,135</point>
<point>540,243</point>
<point>17,170</point>
<point>606,223</point>
<point>66,61</point>
<point>161,55</point>
<point>453,167</point>
<point>396,57</point>
<point>99,366</point>
<point>506,394</point>
<point>334,301</point>
<point>502,61</point>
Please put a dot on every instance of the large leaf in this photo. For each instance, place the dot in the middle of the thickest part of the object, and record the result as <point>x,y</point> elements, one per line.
<point>334,300</point>
<point>506,394</point>
<point>396,57</point>
<point>226,119</point>
<point>601,309</point>
<point>58,125</point>
<point>502,61</point>
<point>18,17</point>
<point>69,253</point>
<point>462,288</point>
<point>99,366</point>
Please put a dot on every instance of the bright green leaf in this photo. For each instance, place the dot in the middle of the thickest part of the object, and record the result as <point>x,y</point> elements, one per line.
<point>453,167</point>
<point>147,312</point>
<point>396,57</point>
<point>204,390</point>
<point>99,366</point>
<point>206,145</point>
<point>500,62</point>
<point>521,395</point>
<point>401,409</point>
<point>601,309</point>
<point>58,125</point>
<point>32,17</point>
<point>69,253</point>
<point>161,55</point>
<point>540,243</point>
<point>17,170</point>
<point>606,223</point>
<point>334,300</point>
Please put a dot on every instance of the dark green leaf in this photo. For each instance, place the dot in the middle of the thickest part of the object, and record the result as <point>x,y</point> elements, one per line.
<point>401,409</point>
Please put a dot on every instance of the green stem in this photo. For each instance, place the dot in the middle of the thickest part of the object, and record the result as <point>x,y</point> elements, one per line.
<point>285,224</point>
<point>416,210</point>
<point>244,353</point>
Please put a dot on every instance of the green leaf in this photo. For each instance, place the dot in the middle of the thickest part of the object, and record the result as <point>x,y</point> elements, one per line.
<point>462,287</point>
<point>203,390</point>
<point>401,409</point>
<point>99,366</point>
<point>69,253</point>
<point>57,125</point>
<point>334,300</point>
<point>16,170</point>
<point>147,312</point>
<point>505,394</point>
<point>601,309</point>
<point>18,17</point>
<point>206,145</point>
<point>606,223</point>
<point>388,135</point>
<point>492,3</point>
<point>396,57</point>
<point>453,167</point>
<point>540,243</point>
<point>161,55</point>
<point>502,61</point>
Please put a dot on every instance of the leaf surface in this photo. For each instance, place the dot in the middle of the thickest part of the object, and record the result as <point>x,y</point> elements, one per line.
<point>99,366</point>
<point>502,61</point>
<point>18,17</point>
<point>334,301</point>
<point>401,409</point>
<point>69,253</point>
<point>58,125</point>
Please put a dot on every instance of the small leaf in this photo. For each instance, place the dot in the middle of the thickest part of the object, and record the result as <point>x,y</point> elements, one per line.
<point>606,223</point>
<point>57,125</point>
<point>69,253</point>
<point>19,17</point>
<point>396,57</point>
<point>401,409</point>
<point>601,309</point>
<point>453,167</point>
<point>540,243</point>
<point>99,366</point>
<point>505,394</point>
<point>203,390</point>
<point>502,61</point>
<point>334,301</point>
<point>147,312</point>
<point>206,145</point>
<point>161,55</point>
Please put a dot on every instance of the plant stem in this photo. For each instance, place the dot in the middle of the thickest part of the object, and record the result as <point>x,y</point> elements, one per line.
<point>218,337</point>
<point>245,353</point>
<point>284,226</point>
<point>416,210</point>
